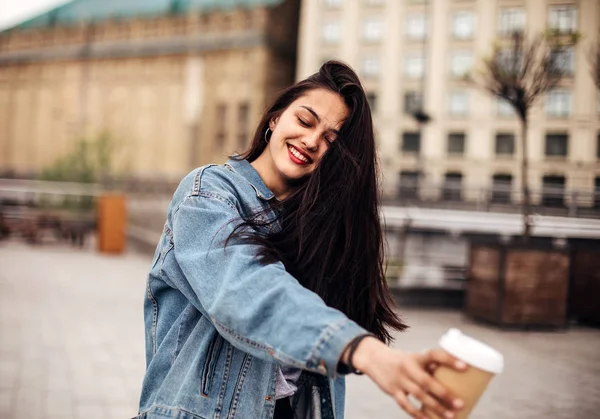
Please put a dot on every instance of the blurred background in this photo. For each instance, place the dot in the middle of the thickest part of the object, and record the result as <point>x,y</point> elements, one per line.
<point>487,119</point>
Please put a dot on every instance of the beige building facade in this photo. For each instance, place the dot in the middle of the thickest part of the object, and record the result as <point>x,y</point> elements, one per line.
<point>173,90</point>
<point>408,50</point>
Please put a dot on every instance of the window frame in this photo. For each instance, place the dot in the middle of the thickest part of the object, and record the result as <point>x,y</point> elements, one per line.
<point>548,147</point>
<point>415,56</point>
<point>501,189</point>
<point>404,146</point>
<point>504,108</point>
<point>424,20</point>
<point>568,70</point>
<point>454,29</point>
<point>558,112</point>
<point>371,60</point>
<point>453,94</point>
<point>461,54</point>
<point>449,190</point>
<point>372,100</point>
<point>417,99</point>
<point>331,40</point>
<point>408,184</point>
<point>556,23</point>
<point>497,147</point>
<point>333,4</point>
<point>506,20</point>
<point>459,151</point>
<point>379,34</point>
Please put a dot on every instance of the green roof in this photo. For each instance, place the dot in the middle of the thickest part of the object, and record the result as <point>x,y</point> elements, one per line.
<point>97,10</point>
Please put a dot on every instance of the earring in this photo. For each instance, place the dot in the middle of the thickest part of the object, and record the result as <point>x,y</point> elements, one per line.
<point>267,136</point>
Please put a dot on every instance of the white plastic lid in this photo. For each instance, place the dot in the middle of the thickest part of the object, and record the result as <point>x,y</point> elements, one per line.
<point>472,351</point>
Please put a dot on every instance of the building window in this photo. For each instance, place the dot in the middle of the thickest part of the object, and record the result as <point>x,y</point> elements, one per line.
<point>463,25</point>
<point>413,102</point>
<point>509,61</point>
<point>452,190</point>
<point>372,99</point>
<point>557,145</point>
<point>458,103</point>
<point>501,188</point>
<point>558,103</point>
<point>331,32</point>
<point>243,123</point>
<point>510,20</point>
<point>370,66</point>
<point>221,123</point>
<point>414,66</point>
<point>411,142</point>
<point>461,63</point>
<point>333,4</point>
<point>564,61</point>
<point>416,26</point>
<point>553,191</point>
<point>456,143</point>
<point>409,185</point>
<point>563,18</point>
<point>504,108</point>
<point>372,29</point>
<point>505,144</point>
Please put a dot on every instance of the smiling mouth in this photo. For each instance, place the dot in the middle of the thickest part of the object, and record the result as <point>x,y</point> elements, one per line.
<point>297,156</point>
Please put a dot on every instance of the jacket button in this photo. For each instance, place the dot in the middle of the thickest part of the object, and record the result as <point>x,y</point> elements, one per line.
<point>268,398</point>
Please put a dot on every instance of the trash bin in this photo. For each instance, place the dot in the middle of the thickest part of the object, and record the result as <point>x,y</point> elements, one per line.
<point>112,223</point>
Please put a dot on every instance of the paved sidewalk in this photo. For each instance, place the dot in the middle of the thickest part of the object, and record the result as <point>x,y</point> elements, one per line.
<point>71,346</point>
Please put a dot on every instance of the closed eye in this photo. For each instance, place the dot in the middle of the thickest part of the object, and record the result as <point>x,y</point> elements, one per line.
<point>303,123</point>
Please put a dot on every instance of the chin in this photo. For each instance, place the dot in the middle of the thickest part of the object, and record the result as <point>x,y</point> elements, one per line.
<point>294,175</point>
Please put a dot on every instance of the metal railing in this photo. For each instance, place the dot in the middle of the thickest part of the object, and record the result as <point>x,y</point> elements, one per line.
<point>547,200</point>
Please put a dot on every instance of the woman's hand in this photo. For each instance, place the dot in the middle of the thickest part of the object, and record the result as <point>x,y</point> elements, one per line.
<point>400,374</point>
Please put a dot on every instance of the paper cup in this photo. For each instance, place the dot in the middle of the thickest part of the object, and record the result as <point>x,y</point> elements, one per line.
<point>484,363</point>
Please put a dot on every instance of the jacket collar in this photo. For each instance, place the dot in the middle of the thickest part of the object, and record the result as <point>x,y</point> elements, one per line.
<point>245,169</point>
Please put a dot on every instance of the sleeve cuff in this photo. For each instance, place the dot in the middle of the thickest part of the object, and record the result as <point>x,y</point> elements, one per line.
<point>332,342</point>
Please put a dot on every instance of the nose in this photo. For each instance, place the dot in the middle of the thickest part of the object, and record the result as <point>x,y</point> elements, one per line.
<point>311,142</point>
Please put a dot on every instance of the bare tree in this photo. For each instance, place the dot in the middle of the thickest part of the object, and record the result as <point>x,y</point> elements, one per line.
<point>520,71</point>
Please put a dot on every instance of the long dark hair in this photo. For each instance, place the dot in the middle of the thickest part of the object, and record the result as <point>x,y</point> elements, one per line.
<point>330,238</point>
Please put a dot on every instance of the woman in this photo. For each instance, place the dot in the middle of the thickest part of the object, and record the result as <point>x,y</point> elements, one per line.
<point>267,286</point>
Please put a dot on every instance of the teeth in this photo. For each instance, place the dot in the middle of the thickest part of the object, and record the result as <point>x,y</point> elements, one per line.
<point>298,155</point>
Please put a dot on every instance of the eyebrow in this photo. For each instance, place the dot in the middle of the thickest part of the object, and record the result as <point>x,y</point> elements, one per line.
<point>311,110</point>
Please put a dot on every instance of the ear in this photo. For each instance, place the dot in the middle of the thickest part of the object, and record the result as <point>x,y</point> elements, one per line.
<point>273,123</point>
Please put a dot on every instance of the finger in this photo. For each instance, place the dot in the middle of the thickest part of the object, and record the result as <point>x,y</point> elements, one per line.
<point>430,385</point>
<point>444,358</point>
<point>408,407</point>
<point>431,367</point>
<point>428,401</point>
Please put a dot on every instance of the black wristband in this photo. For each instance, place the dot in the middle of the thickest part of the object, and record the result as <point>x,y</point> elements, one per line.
<point>349,368</point>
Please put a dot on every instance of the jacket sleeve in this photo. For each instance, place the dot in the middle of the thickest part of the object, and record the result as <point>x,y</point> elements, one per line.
<point>261,309</point>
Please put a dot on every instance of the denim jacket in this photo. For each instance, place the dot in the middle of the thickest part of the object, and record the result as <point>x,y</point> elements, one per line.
<point>219,323</point>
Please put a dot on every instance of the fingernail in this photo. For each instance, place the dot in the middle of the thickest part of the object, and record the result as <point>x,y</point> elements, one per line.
<point>449,415</point>
<point>460,364</point>
<point>458,403</point>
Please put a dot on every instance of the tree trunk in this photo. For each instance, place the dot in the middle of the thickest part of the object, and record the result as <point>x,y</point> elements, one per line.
<point>526,203</point>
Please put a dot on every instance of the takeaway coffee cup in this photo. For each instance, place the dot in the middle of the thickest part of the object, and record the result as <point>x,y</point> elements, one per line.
<point>484,363</point>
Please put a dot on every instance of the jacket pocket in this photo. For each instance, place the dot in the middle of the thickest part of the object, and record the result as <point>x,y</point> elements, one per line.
<point>212,355</point>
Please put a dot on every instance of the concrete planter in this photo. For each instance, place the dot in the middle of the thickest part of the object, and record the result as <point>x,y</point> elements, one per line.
<point>518,285</point>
